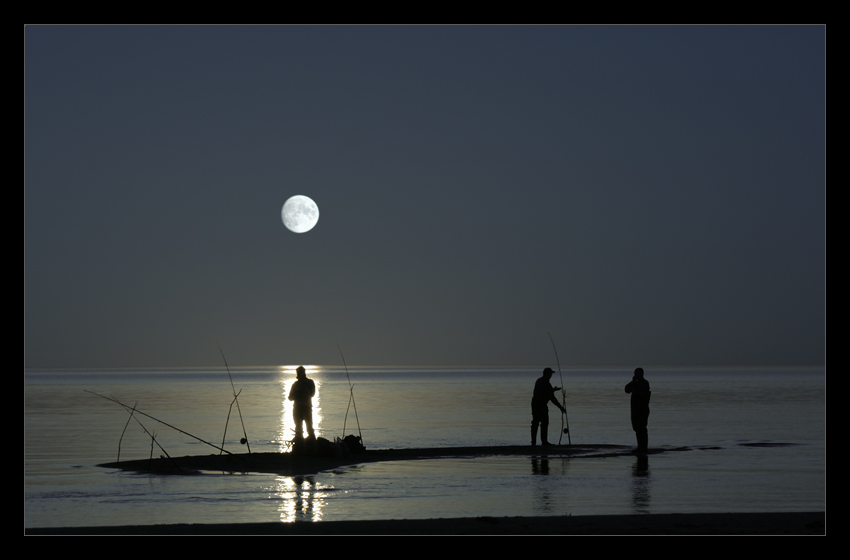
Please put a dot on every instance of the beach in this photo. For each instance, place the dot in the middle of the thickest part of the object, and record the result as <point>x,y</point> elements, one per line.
<point>789,523</point>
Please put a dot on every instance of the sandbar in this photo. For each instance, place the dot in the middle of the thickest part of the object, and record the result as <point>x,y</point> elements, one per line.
<point>290,464</point>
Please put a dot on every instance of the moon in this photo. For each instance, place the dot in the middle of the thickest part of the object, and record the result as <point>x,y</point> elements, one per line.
<point>299,213</point>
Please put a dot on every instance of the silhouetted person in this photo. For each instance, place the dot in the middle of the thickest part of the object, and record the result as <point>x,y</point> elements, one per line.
<point>543,394</point>
<point>639,389</point>
<point>302,396</point>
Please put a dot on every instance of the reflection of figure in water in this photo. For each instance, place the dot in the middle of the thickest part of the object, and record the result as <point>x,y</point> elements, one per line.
<point>639,388</point>
<point>305,489</point>
<point>302,396</point>
<point>543,393</point>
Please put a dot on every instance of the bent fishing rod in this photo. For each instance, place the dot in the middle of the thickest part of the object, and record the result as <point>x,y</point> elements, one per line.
<point>350,398</point>
<point>235,399</point>
<point>564,417</point>
<point>152,436</point>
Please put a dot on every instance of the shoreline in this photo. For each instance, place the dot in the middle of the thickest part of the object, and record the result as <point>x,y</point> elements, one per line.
<point>770,523</point>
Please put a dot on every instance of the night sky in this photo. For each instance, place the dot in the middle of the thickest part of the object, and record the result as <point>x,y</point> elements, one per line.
<point>650,195</point>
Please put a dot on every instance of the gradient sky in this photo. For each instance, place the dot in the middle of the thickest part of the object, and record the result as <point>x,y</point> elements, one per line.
<point>649,195</point>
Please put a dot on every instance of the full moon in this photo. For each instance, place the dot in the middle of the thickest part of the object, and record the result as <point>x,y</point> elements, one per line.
<point>299,214</point>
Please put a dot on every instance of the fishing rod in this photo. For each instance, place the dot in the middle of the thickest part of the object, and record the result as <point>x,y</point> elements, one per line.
<point>235,399</point>
<point>226,422</point>
<point>157,420</point>
<point>564,416</point>
<point>125,430</point>
<point>153,440</point>
<point>152,436</point>
<point>350,398</point>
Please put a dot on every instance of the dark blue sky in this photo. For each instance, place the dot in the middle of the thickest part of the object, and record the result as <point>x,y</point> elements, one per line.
<point>649,195</point>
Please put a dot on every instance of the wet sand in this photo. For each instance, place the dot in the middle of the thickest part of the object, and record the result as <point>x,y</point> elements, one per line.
<point>790,523</point>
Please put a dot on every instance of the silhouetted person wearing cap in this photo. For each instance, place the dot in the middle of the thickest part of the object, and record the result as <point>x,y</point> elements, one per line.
<point>543,394</point>
<point>302,396</point>
<point>639,389</point>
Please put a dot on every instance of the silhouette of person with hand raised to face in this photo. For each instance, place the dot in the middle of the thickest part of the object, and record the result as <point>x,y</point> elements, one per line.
<point>639,389</point>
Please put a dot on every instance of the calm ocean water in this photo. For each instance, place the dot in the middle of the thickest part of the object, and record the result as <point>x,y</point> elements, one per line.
<point>719,413</point>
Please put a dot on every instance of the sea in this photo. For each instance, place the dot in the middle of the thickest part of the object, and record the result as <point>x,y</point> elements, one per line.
<point>724,439</point>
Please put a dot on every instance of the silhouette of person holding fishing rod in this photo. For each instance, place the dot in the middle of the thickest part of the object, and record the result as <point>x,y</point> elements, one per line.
<point>543,394</point>
<point>301,395</point>
<point>638,387</point>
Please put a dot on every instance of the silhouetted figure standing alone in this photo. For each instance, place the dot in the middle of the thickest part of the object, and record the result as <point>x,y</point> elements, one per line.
<point>639,389</point>
<point>543,394</point>
<point>302,396</point>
